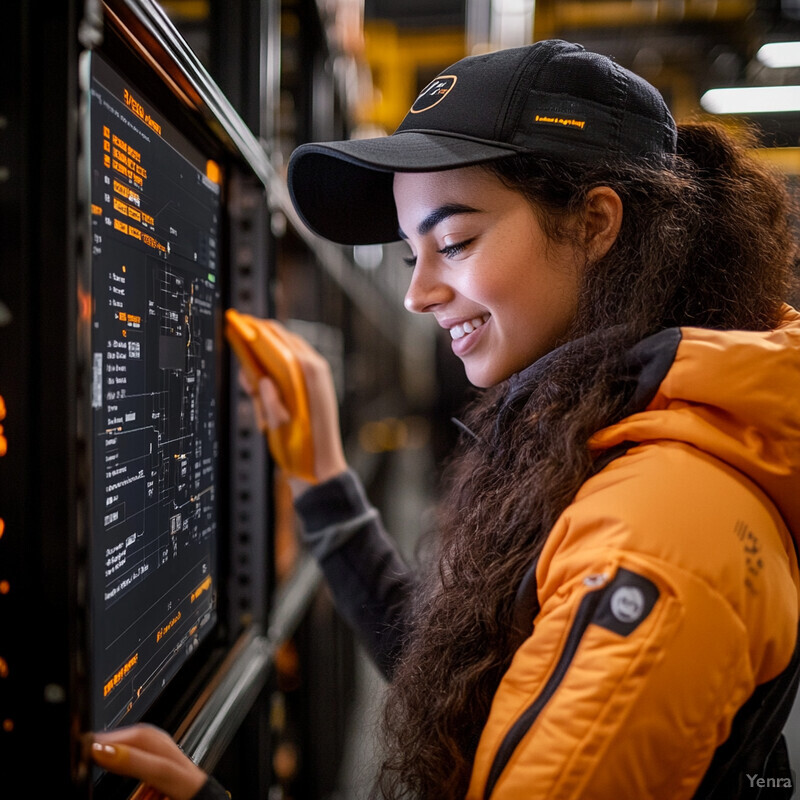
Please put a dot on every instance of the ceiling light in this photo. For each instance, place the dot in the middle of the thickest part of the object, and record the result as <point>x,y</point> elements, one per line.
<point>780,54</point>
<point>752,100</point>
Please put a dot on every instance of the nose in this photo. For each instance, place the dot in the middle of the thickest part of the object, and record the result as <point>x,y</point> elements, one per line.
<point>426,291</point>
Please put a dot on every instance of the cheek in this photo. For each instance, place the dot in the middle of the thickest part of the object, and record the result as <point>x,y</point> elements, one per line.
<point>537,304</point>
<point>498,275</point>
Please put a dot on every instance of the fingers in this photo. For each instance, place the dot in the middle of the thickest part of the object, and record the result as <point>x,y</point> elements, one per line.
<point>303,351</point>
<point>143,736</point>
<point>311,360</point>
<point>329,459</point>
<point>315,367</point>
<point>269,408</point>
<point>274,411</point>
<point>298,343</point>
<point>151,756</point>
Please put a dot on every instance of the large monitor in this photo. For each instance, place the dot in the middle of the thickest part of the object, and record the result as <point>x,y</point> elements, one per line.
<point>155,397</point>
<point>136,562</point>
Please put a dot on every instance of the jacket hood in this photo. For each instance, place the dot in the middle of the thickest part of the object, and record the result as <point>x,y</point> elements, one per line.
<point>732,394</point>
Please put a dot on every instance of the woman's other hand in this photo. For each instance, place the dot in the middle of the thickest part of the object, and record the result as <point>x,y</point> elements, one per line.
<point>271,412</point>
<point>150,755</point>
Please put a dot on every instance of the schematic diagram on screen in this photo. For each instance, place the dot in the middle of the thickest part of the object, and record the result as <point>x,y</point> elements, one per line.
<point>156,302</point>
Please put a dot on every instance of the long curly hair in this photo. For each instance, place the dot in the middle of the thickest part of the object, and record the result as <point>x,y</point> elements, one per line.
<point>706,240</point>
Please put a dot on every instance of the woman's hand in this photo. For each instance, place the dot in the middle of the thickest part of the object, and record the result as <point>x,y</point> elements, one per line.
<point>150,755</point>
<point>271,412</point>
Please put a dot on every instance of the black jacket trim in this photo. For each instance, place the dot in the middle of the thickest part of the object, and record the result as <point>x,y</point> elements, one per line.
<point>755,746</point>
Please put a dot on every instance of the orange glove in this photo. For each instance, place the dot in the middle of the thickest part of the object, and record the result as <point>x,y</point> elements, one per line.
<point>264,351</point>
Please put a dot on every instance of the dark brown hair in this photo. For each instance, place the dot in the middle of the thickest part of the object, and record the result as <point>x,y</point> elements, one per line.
<point>705,240</point>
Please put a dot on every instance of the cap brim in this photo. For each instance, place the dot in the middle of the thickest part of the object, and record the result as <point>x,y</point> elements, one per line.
<point>343,190</point>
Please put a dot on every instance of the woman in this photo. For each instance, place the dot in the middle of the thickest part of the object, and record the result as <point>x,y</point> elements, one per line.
<point>611,609</point>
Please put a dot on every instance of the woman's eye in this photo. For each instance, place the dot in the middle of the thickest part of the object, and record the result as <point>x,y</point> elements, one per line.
<point>448,251</point>
<point>451,250</point>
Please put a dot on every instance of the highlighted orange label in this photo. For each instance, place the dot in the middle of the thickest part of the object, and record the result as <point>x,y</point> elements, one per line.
<point>162,632</point>
<point>566,122</point>
<point>120,675</point>
<point>203,587</point>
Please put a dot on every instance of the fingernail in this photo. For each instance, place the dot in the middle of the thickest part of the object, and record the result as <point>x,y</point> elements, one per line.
<point>105,751</point>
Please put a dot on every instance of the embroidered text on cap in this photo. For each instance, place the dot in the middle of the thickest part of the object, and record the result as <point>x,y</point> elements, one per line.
<point>434,93</point>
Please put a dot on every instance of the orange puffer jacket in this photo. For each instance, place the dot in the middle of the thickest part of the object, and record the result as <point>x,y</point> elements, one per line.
<point>667,593</point>
<point>658,629</point>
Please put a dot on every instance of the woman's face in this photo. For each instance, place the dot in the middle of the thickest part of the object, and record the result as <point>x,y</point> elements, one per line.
<point>485,269</point>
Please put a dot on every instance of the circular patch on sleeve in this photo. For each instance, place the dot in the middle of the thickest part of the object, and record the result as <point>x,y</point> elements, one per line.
<point>627,603</point>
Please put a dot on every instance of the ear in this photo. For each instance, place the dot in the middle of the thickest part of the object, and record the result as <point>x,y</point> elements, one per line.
<point>602,221</point>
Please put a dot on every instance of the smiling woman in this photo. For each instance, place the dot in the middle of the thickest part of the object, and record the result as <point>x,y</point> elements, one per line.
<point>610,606</point>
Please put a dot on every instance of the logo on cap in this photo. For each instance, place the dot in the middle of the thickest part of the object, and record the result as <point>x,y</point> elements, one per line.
<point>627,603</point>
<point>434,93</point>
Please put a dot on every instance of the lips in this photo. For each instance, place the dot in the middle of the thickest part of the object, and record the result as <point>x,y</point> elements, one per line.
<point>467,335</point>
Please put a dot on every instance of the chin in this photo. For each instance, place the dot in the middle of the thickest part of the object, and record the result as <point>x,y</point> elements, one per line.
<point>484,379</point>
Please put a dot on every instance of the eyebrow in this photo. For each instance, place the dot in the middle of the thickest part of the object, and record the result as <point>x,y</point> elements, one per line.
<point>439,215</point>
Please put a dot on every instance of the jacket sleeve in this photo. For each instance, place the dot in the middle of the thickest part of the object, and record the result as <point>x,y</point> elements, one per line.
<point>653,631</point>
<point>371,584</point>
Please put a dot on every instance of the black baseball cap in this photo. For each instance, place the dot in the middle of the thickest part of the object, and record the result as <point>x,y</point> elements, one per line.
<point>551,98</point>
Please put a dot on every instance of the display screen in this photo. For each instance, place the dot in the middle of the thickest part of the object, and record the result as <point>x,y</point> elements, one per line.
<point>155,216</point>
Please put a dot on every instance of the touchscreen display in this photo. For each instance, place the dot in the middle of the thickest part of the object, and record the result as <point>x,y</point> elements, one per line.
<point>155,203</point>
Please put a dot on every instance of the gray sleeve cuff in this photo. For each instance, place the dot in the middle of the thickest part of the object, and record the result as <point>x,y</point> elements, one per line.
<point>332,512</point>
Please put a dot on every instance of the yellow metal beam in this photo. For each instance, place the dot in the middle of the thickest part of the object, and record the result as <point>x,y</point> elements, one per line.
<point>187,10</point>
<point>552,15</point>
<point>395,56</point>
<point>786,159</point>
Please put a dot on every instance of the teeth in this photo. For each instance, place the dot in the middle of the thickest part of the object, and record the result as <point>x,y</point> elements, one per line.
<point>459,331</point>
